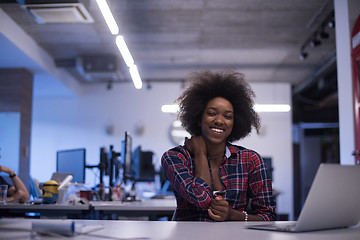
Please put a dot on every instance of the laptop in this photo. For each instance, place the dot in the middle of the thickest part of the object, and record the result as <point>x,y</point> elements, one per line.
<point>59,176</point>
<point>332,202</point>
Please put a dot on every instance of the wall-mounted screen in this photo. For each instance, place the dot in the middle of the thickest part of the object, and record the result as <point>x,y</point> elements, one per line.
<point>72,161</point>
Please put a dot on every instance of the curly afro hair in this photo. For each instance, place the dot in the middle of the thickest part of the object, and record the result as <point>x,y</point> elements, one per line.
<point>207,85</point>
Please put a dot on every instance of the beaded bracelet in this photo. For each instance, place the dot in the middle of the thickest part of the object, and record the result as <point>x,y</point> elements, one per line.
<point>246,215</point>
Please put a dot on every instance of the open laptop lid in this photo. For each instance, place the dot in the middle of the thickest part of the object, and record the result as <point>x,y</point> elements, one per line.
<point>59,176</point>
<point>333,200</point>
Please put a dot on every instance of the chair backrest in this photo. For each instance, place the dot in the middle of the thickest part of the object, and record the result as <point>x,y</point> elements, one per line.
<point>35,190</point>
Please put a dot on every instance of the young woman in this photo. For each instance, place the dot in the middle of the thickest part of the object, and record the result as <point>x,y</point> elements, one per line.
<point>212,179</point>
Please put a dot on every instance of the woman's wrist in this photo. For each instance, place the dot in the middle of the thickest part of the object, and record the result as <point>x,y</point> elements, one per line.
<point>233,215</point>
<point>246,216</point>
<point>236,215</point>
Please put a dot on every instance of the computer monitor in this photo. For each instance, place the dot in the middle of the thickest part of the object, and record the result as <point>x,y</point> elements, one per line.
<point>142,165</point>
<point>126,157</point>
<point>114,166</point>
<point>72,161</point>
<point>268,164</point>
<point>104,163</point>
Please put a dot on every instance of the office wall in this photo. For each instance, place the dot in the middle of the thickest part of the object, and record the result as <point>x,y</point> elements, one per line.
<point>75,122</point>
<point>275,141</point>
<point>9,140</point>
<point>16,94</point>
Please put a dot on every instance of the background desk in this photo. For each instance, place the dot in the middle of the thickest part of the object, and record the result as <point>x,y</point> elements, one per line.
<point>183,230</point>
<point>45,210</point>
<point>151,209</point>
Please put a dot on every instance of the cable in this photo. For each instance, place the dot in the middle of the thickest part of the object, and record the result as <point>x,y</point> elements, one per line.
<point>317,14</point>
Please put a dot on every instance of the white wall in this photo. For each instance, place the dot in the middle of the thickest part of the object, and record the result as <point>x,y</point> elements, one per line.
<point>9,140</point>
<point>75,122</point>
<point>67,123</point>
<point>275,140</point>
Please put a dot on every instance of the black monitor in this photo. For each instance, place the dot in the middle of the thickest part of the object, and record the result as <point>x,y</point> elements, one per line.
<point>268,164</point>
<point>72,161</point>
<point>114,166</point>
<point>142,165</point>
<point>104,163</point>
<point>126,157</point>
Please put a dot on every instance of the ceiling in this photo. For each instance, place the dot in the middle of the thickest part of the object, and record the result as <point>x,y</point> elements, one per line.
<point>169,39</point>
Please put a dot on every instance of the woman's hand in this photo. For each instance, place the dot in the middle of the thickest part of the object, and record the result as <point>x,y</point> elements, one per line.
<point>6,170</point>
<point>219,209</point>
<point>196,146</point>
<point>198,150</point>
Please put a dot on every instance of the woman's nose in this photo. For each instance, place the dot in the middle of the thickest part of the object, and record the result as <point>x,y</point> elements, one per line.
<point>218,121</point>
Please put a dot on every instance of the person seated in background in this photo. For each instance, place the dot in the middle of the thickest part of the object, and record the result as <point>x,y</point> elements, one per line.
<point>16,190</point>
<point>212,179</point>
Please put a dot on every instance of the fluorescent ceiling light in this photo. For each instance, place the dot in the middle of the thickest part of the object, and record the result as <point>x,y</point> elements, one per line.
<point>109,18</point>
<point>120,43</point>
<point>135,76</point>
<point>180,133</point>
<point>258,108</point>
<point>124,50</point>
<point>272,108</point>
<point>176,123</point>
<point>170,108</point>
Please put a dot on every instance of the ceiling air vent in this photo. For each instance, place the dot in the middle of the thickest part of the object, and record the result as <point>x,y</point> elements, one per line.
<point>98,68</point>
<point>60,13</point>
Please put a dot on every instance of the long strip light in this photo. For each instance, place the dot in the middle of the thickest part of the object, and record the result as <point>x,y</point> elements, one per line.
<point>129,61</point>
<point>120,43</point>
<point>180,133</point>
<point>135,76</point>
<point>170,108</point>
<point>272,107</point>
<point>124,50</point>
<point>109,18</point>
<point>258,108</point>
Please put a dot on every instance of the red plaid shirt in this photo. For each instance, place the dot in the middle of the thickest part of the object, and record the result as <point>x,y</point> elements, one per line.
<point>242,172</point>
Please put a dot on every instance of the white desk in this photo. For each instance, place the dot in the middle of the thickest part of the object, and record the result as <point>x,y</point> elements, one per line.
<point>184,230</point>
<point>152,208</point>
<point>45,210</point>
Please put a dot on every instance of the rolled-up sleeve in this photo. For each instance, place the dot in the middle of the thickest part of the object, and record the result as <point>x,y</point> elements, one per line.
<point>178,169</point>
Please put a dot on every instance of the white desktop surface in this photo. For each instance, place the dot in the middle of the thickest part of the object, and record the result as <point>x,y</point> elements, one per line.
<point>44,206</point>
<point>147,205</point>
<point>179,231</point>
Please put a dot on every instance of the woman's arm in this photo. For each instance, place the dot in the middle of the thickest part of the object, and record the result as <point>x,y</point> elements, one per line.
<point>178,169</point>
<point>197,148</point>
<point>220,211</point>
<point>260,190</point>
<point>19,191</point>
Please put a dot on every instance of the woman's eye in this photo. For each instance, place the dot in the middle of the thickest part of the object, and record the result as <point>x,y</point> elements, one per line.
<point>211,113</point>
<point>228,117</point>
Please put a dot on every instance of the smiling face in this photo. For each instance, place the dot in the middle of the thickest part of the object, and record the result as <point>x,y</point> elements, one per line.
<point>217,120</point>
